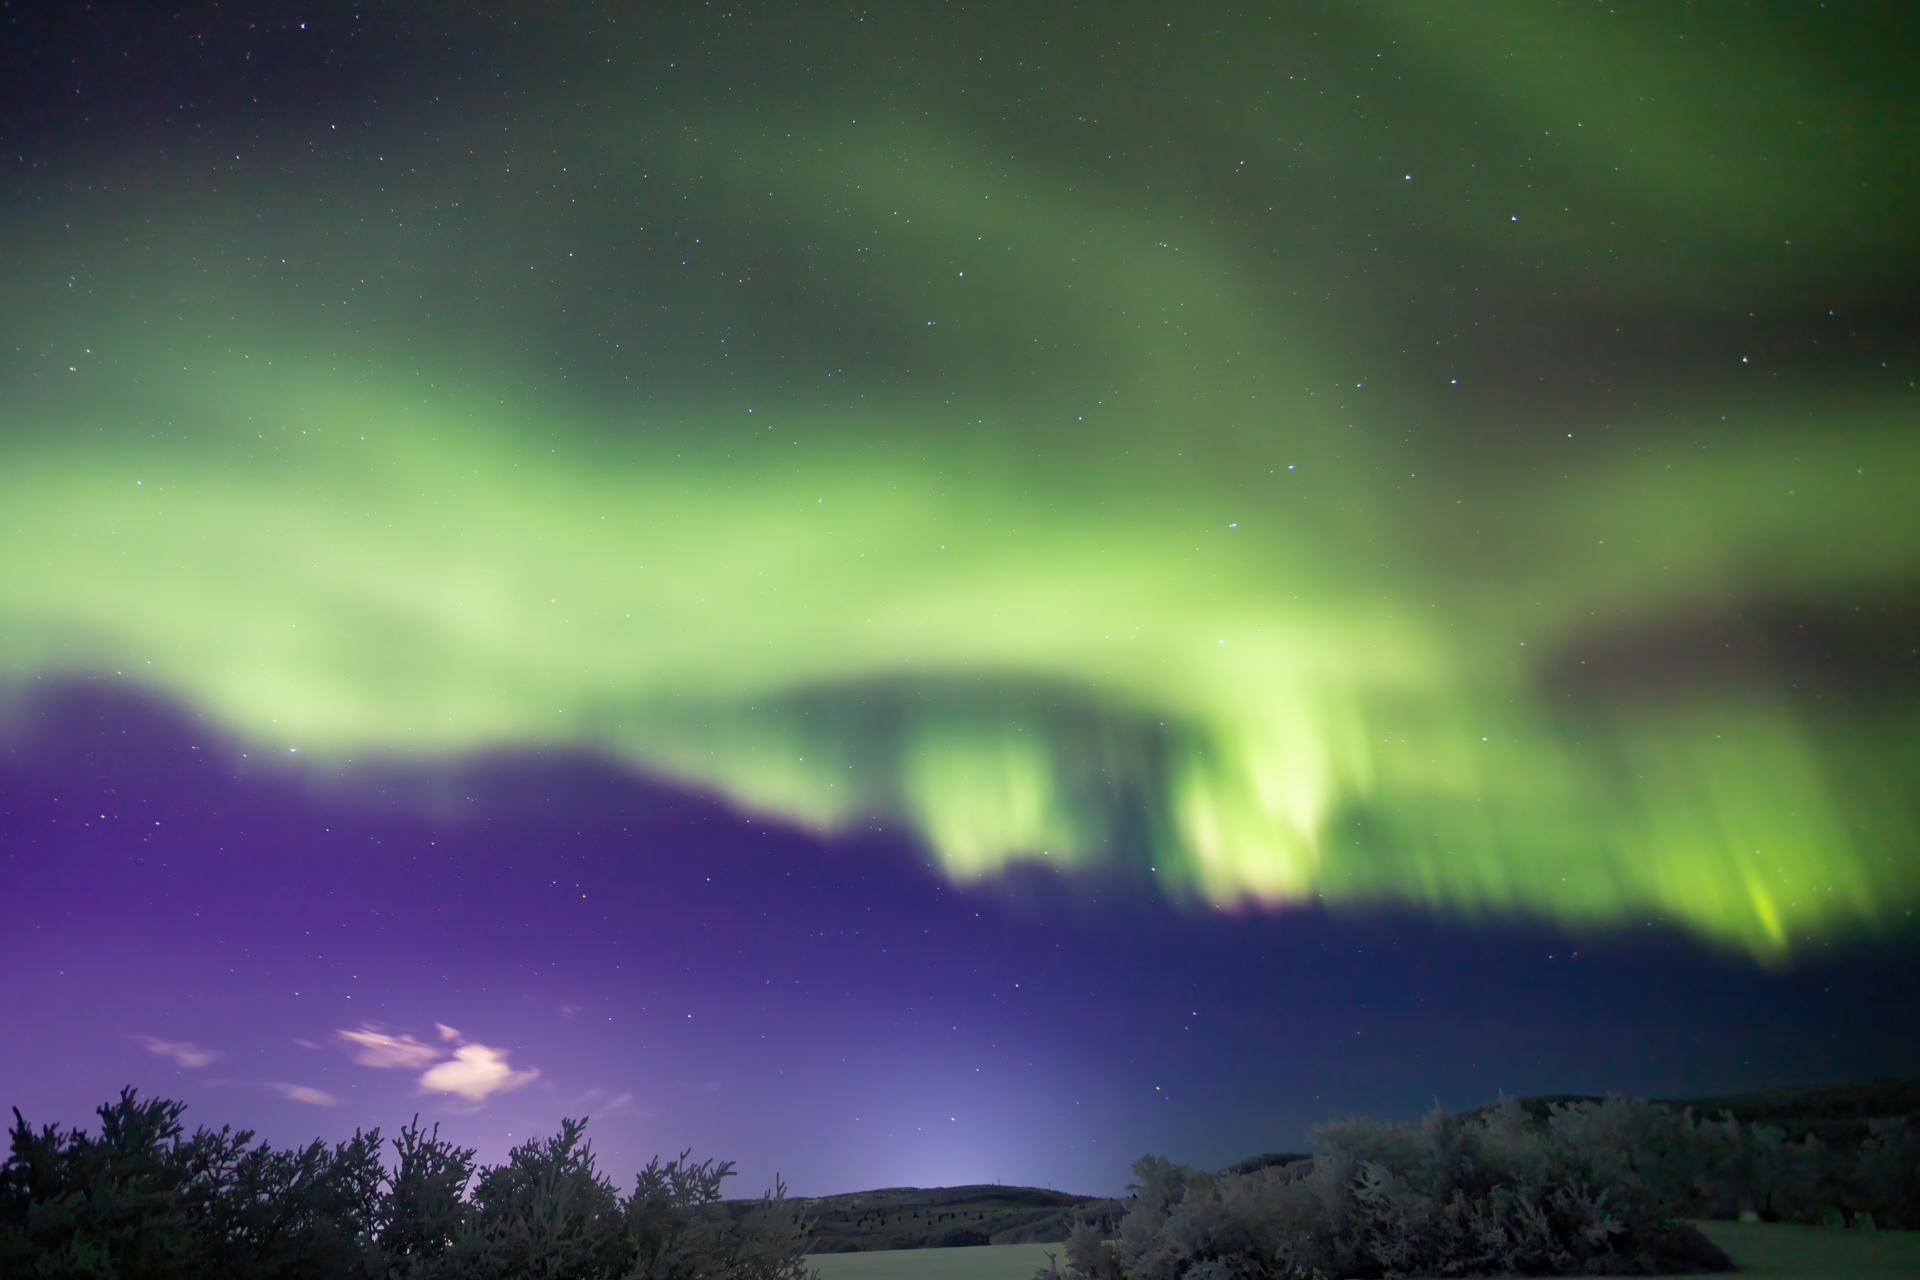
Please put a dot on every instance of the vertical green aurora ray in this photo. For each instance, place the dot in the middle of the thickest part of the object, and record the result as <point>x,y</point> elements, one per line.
<point>1111,570</point>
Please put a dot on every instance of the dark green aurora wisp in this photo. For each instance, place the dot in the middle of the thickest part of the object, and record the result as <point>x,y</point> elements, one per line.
<point>1371,461</point>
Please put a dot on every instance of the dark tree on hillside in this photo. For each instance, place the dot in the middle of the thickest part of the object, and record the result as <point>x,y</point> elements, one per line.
<point>141,1201</point>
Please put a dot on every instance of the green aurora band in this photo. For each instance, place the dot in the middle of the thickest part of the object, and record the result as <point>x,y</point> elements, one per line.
<point>1156,584</point>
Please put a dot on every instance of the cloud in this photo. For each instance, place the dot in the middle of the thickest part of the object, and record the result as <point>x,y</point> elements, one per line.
<point>183,1052</point>
<point>601,1103</point>
<point>378,1049</point>
<point>475,1072</point>
<point>302,1093</point>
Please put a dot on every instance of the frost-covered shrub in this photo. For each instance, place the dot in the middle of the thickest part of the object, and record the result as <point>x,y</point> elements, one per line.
<point>1720,1167</point>
<point>1488,1193</point>
<point>1496,1192</point>
<point>1588,1188</point>
<point>1888,1174</point>
<point>1272,1222</point>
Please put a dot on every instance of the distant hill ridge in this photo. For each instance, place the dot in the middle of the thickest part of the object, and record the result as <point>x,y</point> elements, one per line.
<point>1836,1113</point>
<point>941,1217</point>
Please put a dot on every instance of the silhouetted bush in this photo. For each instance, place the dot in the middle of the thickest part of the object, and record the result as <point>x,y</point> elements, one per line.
<point>143,1201</point>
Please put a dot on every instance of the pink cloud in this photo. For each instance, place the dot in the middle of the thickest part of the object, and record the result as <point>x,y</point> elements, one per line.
<point>182,1052</point>
<point>378,1049</point>
<point>475,1072</point>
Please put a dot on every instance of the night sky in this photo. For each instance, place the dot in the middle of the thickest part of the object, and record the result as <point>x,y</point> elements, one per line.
<point>953,592</point>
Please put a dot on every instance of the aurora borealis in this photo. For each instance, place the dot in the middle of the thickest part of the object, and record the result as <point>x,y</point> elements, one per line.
<point>1296,461</point>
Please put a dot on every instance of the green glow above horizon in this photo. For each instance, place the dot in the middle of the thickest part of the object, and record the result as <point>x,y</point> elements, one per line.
<point>1170,606</point>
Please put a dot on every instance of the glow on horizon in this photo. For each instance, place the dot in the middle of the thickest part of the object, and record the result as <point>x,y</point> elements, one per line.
<point>1260,668</point>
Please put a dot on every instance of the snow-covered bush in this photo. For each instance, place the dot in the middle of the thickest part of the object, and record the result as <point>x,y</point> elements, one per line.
<point>1494,1192</point>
